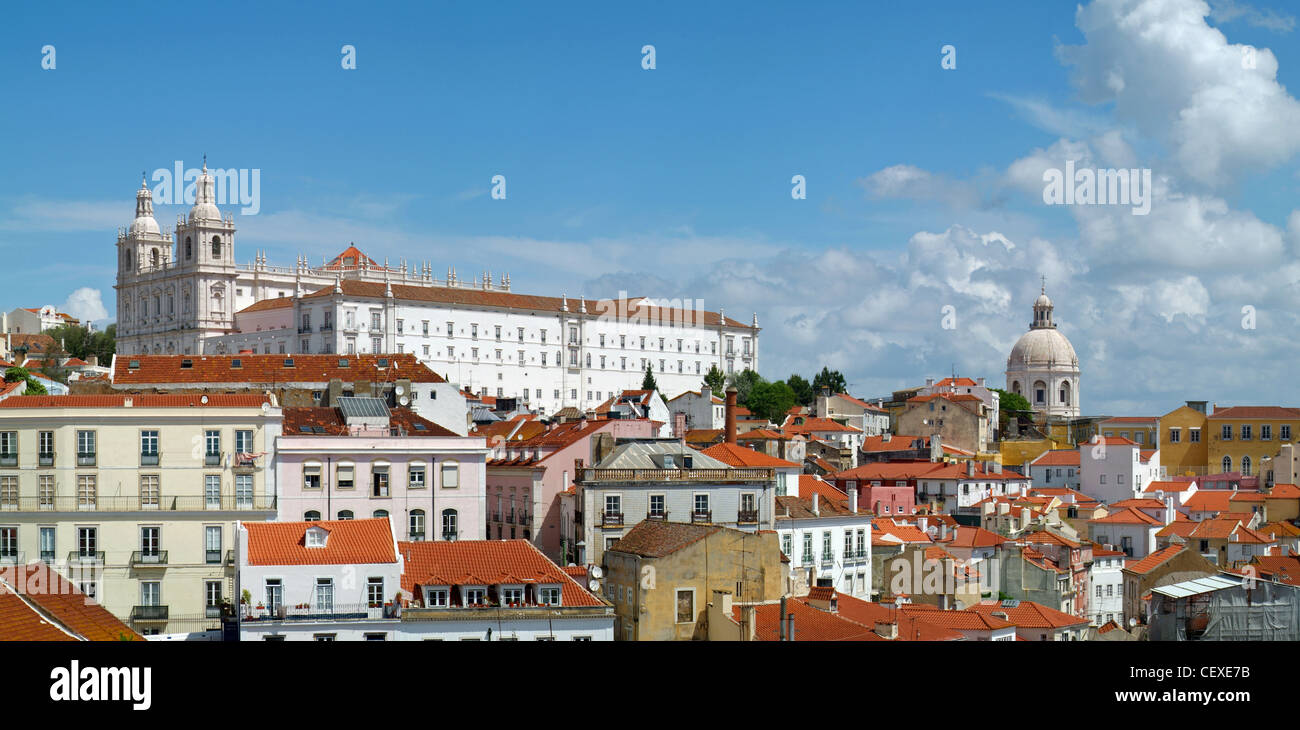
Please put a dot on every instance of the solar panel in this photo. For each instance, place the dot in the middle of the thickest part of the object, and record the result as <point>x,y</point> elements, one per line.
<point>1011,603</point>
<point>236,363</point>
<point>383,362</point>
<point>288,362</point>
<point>318,429</point>
<point>133,364</point>
<point>420,427</point>
<point>361,407</point>
<point>343,362</point>
<point>305,429</point>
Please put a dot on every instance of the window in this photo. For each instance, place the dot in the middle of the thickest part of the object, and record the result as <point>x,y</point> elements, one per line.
<point>415,523</point>
<point>1226,433</point>
<point>311,475</point>
<point>9,543</point>
<point>807,548</point>
<point>1227,464</point>
<point>375,592</point>
<point>148,448</point>
<point>685,606</point>
<point>243,491</point>
<point>826,545</point>
<point>149,495</point>
<point>657,505</point>
<point>212,545</point>
<point>85,448</point>
<point>376,344</point>
<point>702,504</point>
<point>1266,432</point>
<point>1285,432</point>
<point>379,480</point>
<point>47,544</point>
<point>323,637</point>
<point>346,514</point>
<point>1110,591</point>
<point>548,596</point>
<point>1175,435</point>
<point>87,492</point>
<point>212,444</point>
<point>212,491</point>
<point>613,504</point>
<point>512,596</point>
<point>449,519</point>
<point>375,322</point>
<point>343,475</point>
<point>1245,432</point>
<point>1245,466</point>
<point>436,597</point>
<point>45,448</point>
<point>862,543</point>
<point>244,443</point>
<point>150,542</point>
<point>150,593</point>
<point>325,596</point>
<point>87,541</point>
<point>450,475</point>
<point>311,515</point>
<point>474,596</point>
<point>415,476</point>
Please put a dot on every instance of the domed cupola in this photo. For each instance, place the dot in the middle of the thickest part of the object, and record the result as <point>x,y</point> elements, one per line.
<point>1043,366</point>
<point>144,223</point>
<point>205,200</point>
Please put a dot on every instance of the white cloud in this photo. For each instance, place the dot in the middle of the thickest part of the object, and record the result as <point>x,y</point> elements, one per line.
<point>1226,11</point>
<point>1185,86</point>
<point>86,304</point>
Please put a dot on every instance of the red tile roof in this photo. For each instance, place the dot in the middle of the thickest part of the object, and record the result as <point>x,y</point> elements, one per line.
<point>1168,486</point>
<point>471,298</point>
<point>976,537</point>
<point>1057,457</point>
<point>1248,412</point>
<point>1029,615</point>
<point>1209,500</point>
<point>332,422</point>
<point>653,539</point>
<point>1284,491</point>
<point>268,304</point>
<point>810,484</point>
<point>874,444</point>
<point>255,369</point>
<point>1127,516</point>
<point>797,425</point>
<point>195,400</point>
<point>71,611</point>
<point>487,563</point>
<point>735,455</point>
<point>1154,560</point>
<point>810,624</point>
<point>349,542</point>
<point>1044,537</point>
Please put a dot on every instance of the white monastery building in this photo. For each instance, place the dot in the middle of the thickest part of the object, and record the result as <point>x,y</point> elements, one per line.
<point>183,294</point>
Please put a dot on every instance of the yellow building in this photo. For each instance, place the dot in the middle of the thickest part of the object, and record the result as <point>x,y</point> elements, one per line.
<point>1142,430</point>
<point>134,497</point>
<point>1241,437</point>
<point>1184,444</point>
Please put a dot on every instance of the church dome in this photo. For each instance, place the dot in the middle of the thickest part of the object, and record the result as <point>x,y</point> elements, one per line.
<point>1042,301</point>
<point>205,202</point>
<point>144,223</point>
<point>1042,348</point>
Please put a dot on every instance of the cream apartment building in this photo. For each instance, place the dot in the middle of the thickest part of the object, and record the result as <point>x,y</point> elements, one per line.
<point>135,497</point>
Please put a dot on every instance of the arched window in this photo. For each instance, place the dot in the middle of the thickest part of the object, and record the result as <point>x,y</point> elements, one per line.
<point>311,516</point>
<point>417,524</point>
<point>380,513</point>
<point>128,258</point>
<point>1015,387</point>
<point>450,475</point>
<point>153,257</point>
<point>1245,466</point>
<point>1065,392</point>
<point>1040,392</point>
<point>449,524</point>
<point>345,514</point>
<point>189,248</point>
<point>216,247</point>
<point>1227,464</point>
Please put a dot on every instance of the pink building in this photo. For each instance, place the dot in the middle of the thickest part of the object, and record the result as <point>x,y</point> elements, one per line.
<point>361,460</point>
<point>525,479</point>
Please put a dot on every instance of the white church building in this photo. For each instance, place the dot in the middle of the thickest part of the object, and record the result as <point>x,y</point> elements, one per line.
<point>1043,367</point>
<point>183,293</point>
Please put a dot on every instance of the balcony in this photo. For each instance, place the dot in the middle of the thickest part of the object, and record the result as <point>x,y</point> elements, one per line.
<point>496,516</point>
<point>747,517</point>
<point>592,475</point>
<point>86,557</point>
<point>145,558</point>
<point>85,459</point>
<point>510,517</point>
<point>149,613</point>
<point>13,557</point>
<point>704,516</point>
<point>46,459</point>
<point>828,559</point>
<point>212,459</point>
<point>658,516</point>
<point>162,503</point>
<point>312,612</point>
<point>449,535</point>
<point>212,557</point>
<point>305,329</point>
<point>8,459</point>
<point>149,459</point>
<point>230,557</point>
<point>611,519</point>
<point>327,327</point>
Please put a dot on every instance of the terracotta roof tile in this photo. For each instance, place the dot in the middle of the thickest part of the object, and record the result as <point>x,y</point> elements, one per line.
<point>654,539</point>
<point>487,563</point>
<point>349,542</point>
<point>329,419</point>
<point>61,600</point>
<point>1030,615</point>
<point>1154,560</point>
<point>256,370</point>
<point>735,455</point>
<point>195,400</point>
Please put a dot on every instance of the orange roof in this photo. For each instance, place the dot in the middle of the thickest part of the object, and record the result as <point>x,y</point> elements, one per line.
<point>1209,500</point>
<point>976,537</point>
<point>809,485</point>
<point>1029,615</point>
<point>268,304</point>
<point>1127,516</point>
<point>487,563</point>
<point>1057,457</point>
<point>254,369</point>
<point>1043,537</point>
<point>1112,441</point>
<point>873,444</point>
<point>904,532</point>
<point>1154,560</point>
<point>349,542</point>
<point>1168,486</point>
<point>351,259</point>
<point>807,424</point>
<point>195,400</point>
<point>1284,491</point>
<point>810,624</point>
<point>470,298</point>
<point>70,610</point>
<point>1139,503</point>
<point>1274,412</point>
<point>734,455</point>
<point>888,471</point>
<point>956,382</point>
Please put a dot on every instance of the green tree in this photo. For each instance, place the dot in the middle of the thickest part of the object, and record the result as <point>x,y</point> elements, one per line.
<point>832,379</point>
<point>744,381</point>
<point>81,342</point>
<point>16,374</point>
<point>715,380</point>
<point>648,382</point>
<point>804,394</point>
<point>1010,405</point>
<point>770,401</point>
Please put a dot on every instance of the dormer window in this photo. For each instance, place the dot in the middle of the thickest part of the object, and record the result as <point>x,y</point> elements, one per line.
<point>474,596</point>
<point>316,537</point>
<point>548,596</point>
<point>512,596</point>
<point>437,597</point>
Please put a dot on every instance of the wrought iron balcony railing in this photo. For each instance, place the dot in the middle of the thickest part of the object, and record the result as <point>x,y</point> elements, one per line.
<point>149,557</point>
<point>149,613</point>
<point>611,518</point>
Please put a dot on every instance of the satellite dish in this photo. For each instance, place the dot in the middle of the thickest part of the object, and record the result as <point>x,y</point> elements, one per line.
<point>596,572</point>
<point>403,400</point>
<point>203,399</point>
<point>594,585</point>
<point>266,407</point>
<point>400,390</point>
<point>1132,622</point>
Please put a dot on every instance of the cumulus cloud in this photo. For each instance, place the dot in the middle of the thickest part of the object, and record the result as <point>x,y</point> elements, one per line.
<point>86,304</point>
<point>914,183</point>
<point>1216,105</point>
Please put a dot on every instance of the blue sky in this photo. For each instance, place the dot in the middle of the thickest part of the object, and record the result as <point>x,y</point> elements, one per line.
<point>676,181</point>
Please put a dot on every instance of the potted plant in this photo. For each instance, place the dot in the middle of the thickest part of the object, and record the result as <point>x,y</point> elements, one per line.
<point>246,600</point>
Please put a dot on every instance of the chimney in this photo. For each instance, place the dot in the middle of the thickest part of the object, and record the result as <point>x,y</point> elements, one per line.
<point>997,466</point>
<point>92,360</point>
<point>943,531</point>
<point>750,616</point>
<point>1004,508</point>
<point>816,507</point>
<point>980,381</point>
<point>706,395</point>
<point>936,449</point>
<point>853,500</point>
<point>780,622</point>
<point>731,415</point>
<point>987,508</point>
<point>679,425</point>
<point>887,630</point>
<point>885,437</point>
<point>929,382</point>
<point>1169,509</point>
<point>970,468</point>
<point>1024,516</point>
<point>1002,615</point>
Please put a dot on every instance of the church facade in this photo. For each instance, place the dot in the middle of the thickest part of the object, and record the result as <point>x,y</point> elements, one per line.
<point>183,293</point>
<point>1043,367</point>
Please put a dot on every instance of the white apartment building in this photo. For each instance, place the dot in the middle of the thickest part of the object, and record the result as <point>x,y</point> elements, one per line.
<point>703,409</point>
<point>828,543</point>
<point>135,497</point>
<point>1106,586</point>
<point>1112,468</point>
<point>183,293</point>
